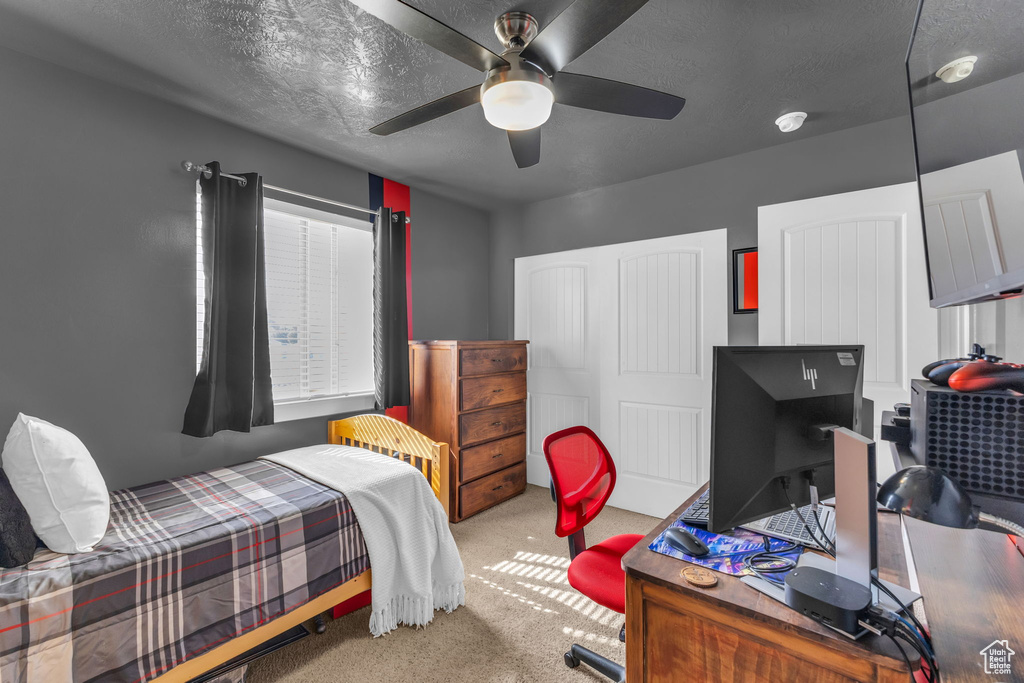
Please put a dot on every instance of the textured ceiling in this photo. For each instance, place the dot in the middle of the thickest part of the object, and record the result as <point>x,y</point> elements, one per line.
<point>991,30</point>
<point>319,73</point>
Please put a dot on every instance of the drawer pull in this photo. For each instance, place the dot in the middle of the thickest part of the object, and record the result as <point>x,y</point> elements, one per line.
<point>497,456</point>
<point>496,424</point>
<point>497,391</point>
<point>497,487</point>
<point>495,360</point>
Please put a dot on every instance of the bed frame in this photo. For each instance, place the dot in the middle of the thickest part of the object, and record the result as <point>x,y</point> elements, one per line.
<point>377,433</point>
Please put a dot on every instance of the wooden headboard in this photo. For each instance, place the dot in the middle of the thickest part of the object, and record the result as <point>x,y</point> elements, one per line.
<point>388,436</point>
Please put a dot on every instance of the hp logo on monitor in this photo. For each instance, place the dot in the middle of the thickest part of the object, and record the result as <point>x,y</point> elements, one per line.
<point>810,374</point>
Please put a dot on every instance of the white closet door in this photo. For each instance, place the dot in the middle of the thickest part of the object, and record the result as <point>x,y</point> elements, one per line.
<point>850,269</point>
<point>555,310</point>
<point>668,301</point>
<point>640,376</point>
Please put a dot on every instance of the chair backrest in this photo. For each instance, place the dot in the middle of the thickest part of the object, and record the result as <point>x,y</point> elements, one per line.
<point>583,476</point>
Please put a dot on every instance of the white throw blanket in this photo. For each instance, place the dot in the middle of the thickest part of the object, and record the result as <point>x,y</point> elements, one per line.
<point>415,565</point>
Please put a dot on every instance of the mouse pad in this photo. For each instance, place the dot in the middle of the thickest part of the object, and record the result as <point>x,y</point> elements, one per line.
<point>726,551</point>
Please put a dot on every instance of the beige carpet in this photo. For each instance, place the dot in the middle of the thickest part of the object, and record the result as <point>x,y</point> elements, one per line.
<point>520,614</point>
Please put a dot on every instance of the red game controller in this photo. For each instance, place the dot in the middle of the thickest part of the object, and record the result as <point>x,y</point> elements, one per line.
<point>940,371</point>
<point>987,374</point>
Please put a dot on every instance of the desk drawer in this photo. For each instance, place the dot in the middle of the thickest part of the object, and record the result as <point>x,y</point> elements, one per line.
<point>489,360</point>
<point>490,457</point>
<point>492,489</point>
<point>492,423</point>
<point>492,390</point>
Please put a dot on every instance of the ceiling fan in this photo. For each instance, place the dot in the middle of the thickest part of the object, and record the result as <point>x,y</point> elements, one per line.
<point>522,83</point>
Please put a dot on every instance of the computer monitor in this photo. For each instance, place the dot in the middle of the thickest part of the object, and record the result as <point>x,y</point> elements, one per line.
<point>771,412</point>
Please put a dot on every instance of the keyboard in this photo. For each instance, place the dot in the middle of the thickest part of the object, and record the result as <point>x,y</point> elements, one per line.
<point>785,525</point>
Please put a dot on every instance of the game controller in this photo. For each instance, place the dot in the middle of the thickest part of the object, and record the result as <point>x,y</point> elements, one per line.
<point>940,371</point>
<point>985,374</point>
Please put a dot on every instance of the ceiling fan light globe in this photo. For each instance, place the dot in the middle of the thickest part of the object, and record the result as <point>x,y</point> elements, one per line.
<point>517,105</point>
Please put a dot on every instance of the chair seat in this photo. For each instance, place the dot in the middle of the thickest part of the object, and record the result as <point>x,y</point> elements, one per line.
<point>597,571</point>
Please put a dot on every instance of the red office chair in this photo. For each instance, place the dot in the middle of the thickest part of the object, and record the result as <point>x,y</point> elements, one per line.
<point>582,479</point>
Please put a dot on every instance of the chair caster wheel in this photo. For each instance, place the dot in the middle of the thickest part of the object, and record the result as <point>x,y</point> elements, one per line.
<point>571,661</point>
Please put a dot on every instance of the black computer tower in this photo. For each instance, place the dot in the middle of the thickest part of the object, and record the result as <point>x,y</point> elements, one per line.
<point>976,438</point>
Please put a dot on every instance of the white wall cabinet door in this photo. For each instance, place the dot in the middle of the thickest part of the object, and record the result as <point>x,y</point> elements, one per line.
<point>850,269</point>
<point>641,375</point>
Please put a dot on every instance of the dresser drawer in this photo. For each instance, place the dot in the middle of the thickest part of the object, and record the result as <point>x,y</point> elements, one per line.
<point>492,489</point>
<point>490,457</point>
<point>491,390</point>
<point>484,361</point>
<point>492,423</point>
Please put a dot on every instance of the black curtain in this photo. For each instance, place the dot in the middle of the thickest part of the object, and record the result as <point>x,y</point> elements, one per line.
<point>390,313</point>
<point>232,390</point>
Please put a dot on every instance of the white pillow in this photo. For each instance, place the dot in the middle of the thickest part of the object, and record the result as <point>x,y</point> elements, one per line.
<point>59,484</point>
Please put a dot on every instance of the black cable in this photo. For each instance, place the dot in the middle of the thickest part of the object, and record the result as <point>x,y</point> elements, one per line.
<point>906,657</point>
<point>775,561</point>
<point>824,546</point>
<point>817,522</point>
<point>906,610</point>
<point>892,625</point>
<point>932,674</point>
<point>914,632</point>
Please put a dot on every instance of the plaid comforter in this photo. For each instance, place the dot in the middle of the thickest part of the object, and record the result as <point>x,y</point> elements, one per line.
<point>186,565</point>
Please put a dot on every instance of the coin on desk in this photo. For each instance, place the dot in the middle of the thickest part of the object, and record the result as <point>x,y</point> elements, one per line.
<point>699,576</point>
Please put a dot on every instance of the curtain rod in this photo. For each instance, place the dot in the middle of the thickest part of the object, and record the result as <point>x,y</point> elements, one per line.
<point>199,169</point>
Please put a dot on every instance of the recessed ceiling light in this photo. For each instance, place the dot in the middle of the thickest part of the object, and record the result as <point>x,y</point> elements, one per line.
<point>957,70</point>
<point>787,123</point>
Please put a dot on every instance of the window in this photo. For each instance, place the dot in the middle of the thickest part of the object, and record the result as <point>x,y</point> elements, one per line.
<point>319,310</point>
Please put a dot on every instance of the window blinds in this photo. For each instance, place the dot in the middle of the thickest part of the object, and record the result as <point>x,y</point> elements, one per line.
<point>319,307</point>
<point>319,303</point>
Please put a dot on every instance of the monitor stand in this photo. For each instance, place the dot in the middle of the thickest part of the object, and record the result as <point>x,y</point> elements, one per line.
<point>856,520</point>
<point>856,525</point>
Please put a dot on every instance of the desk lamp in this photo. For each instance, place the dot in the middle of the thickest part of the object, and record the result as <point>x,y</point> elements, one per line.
<point>929,494</point>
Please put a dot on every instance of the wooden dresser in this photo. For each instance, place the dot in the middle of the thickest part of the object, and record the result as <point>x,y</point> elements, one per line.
<point>472,396</point>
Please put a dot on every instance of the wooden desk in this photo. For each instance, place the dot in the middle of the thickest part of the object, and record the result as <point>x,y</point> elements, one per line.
<point>973,587</point>
<point>731,632</point>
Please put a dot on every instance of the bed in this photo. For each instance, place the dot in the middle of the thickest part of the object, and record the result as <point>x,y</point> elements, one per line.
<point>196,570</point>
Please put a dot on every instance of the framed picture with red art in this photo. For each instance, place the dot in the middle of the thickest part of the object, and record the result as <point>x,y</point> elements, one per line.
<point>744,280</point>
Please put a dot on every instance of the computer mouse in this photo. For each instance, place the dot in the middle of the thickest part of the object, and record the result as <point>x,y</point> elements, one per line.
<point>685,542</point>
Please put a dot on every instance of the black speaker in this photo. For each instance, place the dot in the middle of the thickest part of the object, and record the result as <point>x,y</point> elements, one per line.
<point>976,438</point>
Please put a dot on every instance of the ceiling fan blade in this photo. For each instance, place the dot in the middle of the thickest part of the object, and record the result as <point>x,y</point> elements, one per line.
<point>415,23</point>
<point>429,111</point>
<point>525,146</point>
<point>615,97</point>
<point>581,26</point>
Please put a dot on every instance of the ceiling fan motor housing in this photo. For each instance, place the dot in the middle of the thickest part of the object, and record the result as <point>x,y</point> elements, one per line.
<point>517,70</point>
<point>516,29</point>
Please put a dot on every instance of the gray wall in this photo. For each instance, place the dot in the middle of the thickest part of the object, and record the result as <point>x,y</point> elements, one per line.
<point>97,265</point>
<point>450,248</point>
<point>719,194</point>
